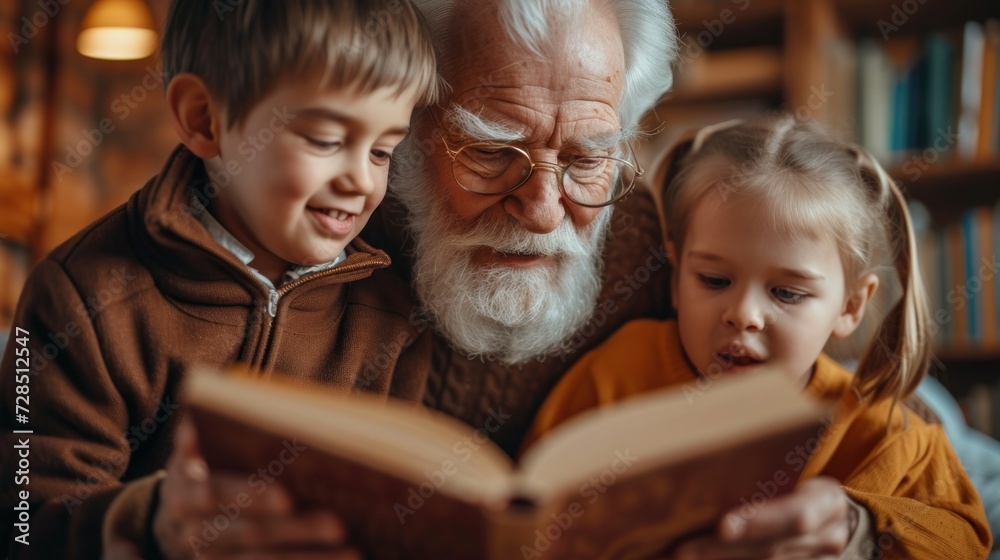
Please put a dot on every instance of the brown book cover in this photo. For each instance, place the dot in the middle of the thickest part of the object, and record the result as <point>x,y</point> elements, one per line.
<point>620,482</point>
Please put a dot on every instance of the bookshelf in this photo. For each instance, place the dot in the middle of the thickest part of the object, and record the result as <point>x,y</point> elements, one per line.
<point>805,56</point>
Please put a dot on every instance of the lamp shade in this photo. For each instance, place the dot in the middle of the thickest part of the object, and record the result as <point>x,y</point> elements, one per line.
<point>117,30</point>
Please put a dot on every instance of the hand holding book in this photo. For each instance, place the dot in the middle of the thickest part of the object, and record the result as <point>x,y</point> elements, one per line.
<point>225,514</point>
<point>620,483</point>
<point>810,522</point>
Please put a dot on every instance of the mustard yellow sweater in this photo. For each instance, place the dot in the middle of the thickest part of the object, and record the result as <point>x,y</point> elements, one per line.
<point>901,468</point>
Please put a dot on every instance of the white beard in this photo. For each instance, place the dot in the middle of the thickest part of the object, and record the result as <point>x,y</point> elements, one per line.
<point>509,314</point>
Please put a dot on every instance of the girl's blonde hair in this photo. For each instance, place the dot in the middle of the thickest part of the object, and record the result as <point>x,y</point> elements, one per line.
<point>813,184</point>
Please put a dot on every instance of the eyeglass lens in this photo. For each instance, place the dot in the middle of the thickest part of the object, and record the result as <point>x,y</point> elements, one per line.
<point>488,169</point>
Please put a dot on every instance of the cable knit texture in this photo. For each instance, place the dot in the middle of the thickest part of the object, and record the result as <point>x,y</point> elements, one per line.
<point>635,284</point>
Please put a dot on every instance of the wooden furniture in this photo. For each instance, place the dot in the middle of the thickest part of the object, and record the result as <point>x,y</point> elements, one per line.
<point>740,58</point>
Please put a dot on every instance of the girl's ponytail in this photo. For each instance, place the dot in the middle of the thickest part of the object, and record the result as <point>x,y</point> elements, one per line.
<point>897,358</point>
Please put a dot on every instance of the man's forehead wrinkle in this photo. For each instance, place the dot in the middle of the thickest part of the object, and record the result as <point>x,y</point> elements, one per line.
<point>520,75</point>
<point>578,91</point>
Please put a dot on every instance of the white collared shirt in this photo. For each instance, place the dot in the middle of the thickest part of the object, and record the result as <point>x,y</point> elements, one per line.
<point>231,244</point>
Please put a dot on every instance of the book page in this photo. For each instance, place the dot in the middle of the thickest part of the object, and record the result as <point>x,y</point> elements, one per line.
<point>665,427</point>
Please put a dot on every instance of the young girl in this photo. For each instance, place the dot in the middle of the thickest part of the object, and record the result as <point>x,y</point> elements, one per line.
<point>778,236</point>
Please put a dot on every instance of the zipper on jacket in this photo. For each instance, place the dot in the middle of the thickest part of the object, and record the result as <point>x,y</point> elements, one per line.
<point>273,297</point>
<point>272,302</point>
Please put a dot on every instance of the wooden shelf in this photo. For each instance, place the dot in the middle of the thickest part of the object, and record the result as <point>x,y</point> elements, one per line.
<point>949,188</point>
<point>968,355</point>
<point>726,75</point>
<point>752,22</point>
<point>862,17</point>
<point>961,374</point>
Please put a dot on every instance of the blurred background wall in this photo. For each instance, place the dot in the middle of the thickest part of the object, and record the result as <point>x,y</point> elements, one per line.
<point>78,135</point>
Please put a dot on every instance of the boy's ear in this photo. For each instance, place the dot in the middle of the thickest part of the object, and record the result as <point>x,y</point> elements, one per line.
<point>196,116</point>
<point>854,307</point>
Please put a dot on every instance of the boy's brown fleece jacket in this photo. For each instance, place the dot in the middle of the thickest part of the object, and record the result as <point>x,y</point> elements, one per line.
<point>113,318</point>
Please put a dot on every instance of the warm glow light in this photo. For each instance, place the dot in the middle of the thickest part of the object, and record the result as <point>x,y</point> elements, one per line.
<point>116,43</point>
<point>117,30</point>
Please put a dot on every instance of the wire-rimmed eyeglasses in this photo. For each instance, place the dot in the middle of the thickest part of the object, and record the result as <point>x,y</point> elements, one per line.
<point>494,169</point>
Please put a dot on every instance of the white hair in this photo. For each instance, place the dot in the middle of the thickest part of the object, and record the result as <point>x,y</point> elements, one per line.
<point>480,129</point>
<point>647,30</point>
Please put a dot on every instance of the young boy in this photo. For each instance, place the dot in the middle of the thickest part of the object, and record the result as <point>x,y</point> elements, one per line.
<point>243,249</point>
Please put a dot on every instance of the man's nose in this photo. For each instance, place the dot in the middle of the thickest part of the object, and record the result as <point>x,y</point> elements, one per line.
<point>538,205</point>
<point>749,312</point>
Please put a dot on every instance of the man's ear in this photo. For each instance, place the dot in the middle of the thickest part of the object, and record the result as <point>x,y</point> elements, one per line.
<point>854,306</point>
<point>674,271</point>
<point>196,116</point>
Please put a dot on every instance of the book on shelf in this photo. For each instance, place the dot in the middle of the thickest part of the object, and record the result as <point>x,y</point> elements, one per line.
<point>938,91</point>
<point>623,481</point>
<point>874,103</point>
<point>985,146</point>
<point>961,267</point>
<point>972,89</point>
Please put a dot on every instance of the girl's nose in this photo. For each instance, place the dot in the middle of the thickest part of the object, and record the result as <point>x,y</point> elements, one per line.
<point>746,314</point>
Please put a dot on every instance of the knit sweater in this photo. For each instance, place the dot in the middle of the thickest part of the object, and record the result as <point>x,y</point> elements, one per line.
<point>899,467</point>
<point>635,283</point>
<point>117,314</point>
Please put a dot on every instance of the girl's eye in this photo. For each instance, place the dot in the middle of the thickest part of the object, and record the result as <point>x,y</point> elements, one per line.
<point>788,296</point>
<point>713,282</point>
<point>380,157</point>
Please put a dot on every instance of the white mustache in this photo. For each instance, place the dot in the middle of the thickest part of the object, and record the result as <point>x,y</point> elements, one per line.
<point>507,236</point>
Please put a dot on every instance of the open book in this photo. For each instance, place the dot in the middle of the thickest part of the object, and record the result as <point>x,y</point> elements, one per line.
<point>619,482</point>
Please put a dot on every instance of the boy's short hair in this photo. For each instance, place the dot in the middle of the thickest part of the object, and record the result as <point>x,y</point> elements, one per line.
<point>242,49</point>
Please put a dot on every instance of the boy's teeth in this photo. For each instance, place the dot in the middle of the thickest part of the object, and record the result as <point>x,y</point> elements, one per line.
<point>336,214</point>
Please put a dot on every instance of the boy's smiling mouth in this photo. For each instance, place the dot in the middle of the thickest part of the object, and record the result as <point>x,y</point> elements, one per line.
<point>333,220</point>
<point>331,212</point>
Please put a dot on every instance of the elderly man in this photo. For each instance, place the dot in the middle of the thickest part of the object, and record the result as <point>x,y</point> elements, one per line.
<point>517,193</point>
<point>516,220</point>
